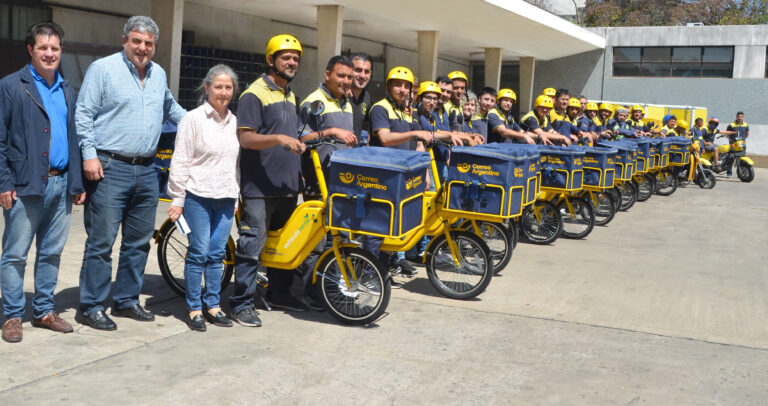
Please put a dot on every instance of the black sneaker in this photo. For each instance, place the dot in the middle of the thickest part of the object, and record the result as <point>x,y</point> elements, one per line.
<point>247,317</point>
<point>289,305</point>
<point>396,285</point>
<point>404,268</point>
<point>310,303</point>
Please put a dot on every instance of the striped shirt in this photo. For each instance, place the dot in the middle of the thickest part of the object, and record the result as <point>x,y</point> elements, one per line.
<point>205,158</point>
<point>115,113</point>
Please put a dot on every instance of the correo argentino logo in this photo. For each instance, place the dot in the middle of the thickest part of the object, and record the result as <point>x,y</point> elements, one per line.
<point>346,177</point>
<point>463,167</point>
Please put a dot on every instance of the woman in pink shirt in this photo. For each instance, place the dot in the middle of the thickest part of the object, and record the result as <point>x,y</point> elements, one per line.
<point>204,187</point>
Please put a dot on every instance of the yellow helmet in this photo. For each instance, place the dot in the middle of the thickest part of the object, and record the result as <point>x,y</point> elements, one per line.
<point>592,106</point>
<point>506,93</point>
<point>426,87</point>
<point>550,91</point>
<point>283,42</point>
<point>543,101</point>
<point>682,124</point>
<point>402,73</point>
<point>637,107</point>
<point>574,102</point>
<point>458,75</point>
<point>606,106</point>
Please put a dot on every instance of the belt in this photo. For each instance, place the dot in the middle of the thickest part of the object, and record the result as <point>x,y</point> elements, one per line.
<point>130,160</point>
<point>56,172</point>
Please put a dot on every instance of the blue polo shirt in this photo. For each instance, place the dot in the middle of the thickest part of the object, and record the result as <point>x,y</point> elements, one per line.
<point>55,105</point>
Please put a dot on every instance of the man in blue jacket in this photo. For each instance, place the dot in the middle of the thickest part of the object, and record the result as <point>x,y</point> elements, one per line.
<point>40,178</point>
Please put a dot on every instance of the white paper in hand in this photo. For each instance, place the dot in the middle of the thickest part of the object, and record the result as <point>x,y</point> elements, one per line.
<point>181,224</point>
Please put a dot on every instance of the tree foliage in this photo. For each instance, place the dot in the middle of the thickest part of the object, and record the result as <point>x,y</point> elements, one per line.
<point>630,13</point>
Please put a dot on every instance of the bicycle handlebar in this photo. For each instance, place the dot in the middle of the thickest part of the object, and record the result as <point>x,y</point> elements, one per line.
<point>312,144</point>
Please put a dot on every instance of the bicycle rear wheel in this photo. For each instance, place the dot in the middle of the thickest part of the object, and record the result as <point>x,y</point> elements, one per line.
<point>368,296</point>
<point>470,276</point>
<point>172,253</point>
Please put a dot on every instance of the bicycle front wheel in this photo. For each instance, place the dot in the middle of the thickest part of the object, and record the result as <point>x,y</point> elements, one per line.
<point>603,206</point>
<point>666,183</point>
<point>541,223</point>
<point>645,187</point>
<point>172,253</point>
<point>366,297</point>
<point>465,279</point>
<point>578,222</point>
<point>499,240</point>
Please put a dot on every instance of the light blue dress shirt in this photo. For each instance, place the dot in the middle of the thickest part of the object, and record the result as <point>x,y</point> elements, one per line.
<point>115,113</point>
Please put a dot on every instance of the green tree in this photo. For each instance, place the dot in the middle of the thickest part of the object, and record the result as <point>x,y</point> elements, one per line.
<point>630,13</point>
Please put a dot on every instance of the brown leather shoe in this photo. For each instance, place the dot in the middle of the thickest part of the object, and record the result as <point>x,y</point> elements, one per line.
<point>52,321</point>
<point>12,330</point>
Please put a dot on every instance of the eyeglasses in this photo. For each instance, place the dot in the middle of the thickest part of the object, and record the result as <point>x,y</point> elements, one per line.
<point>429,97</point>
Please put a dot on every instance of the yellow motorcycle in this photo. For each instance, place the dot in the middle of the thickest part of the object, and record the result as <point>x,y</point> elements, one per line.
<point>734,153</point>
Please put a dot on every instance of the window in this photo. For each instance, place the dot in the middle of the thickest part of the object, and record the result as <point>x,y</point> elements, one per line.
<point>674,61</point>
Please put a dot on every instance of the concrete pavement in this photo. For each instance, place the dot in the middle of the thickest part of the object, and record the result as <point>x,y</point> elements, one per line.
<point>668,304</point>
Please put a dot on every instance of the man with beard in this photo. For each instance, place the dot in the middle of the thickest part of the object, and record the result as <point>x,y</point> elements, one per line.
<point>359,97</point>
<point>336,121</point>
<point>270,173</point>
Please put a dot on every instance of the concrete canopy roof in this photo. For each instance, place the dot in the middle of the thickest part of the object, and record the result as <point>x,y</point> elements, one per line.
<point>466,26</point>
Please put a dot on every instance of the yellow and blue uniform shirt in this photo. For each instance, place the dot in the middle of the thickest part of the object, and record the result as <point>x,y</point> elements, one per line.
<point>479,125</point>
<point>386,116</point>
<point>496,119</point>
<point>530,122</point>
<point>266,108</point>
<point>742,129</point>
<point>337,114</point>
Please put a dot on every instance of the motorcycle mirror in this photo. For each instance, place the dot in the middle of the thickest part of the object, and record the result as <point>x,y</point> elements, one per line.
<point>304,114</point>
<point>317,107</point>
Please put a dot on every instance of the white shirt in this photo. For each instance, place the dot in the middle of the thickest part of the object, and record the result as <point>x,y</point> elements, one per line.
<point>205,159</point>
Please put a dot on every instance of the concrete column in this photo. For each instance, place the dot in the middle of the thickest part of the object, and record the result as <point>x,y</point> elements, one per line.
<point>169,16</point>
<point>526,94</point>
<point>426,66</point>
<point>749,61</point>
<point>329,28</point>
<point>493,67</point>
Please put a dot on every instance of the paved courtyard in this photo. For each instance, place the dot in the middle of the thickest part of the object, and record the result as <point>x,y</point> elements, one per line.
<point>667,305</point>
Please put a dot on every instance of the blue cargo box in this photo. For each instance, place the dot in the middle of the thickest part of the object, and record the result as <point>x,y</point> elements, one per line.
<point>561,168</point>
<point>490,180</point>
<point>644,161</point>
<point>625,162</point>
<point>530,172</point>
<point>376,190</point>
<point>679,150</point>
<point>599,166</point>
<point>660,150</point>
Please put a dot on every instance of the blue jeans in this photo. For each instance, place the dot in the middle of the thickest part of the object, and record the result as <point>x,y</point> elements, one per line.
<point>45,218</point>
<point>127,197</point>
<point>209,222</point>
